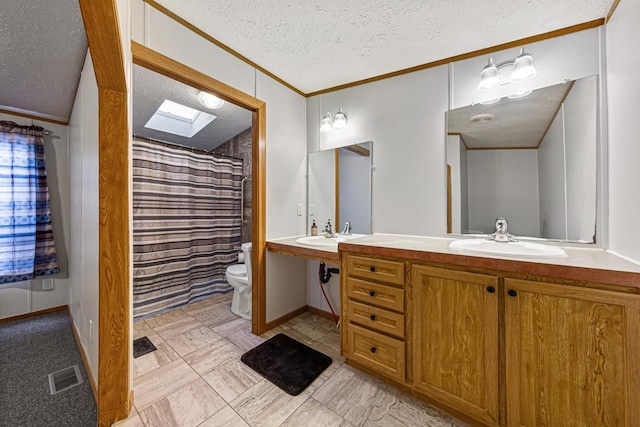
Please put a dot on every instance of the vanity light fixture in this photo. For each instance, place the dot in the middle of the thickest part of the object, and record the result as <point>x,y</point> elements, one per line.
<point>337,122</point>
<point>210,101</point>
<point>521,68</point>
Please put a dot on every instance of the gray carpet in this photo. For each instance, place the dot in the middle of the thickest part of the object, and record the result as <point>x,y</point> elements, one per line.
<point>30,349</point>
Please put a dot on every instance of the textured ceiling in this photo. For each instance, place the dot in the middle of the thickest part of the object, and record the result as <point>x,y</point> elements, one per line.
<point>150,89</point>
<point>318,45</point>
<point>42,48</point>
<point>520,122</point>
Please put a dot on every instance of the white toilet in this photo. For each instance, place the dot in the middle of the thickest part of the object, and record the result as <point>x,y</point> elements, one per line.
<point>239,276</point>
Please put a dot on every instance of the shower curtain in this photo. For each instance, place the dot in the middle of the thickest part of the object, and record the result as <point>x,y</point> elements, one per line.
<point>186,225</point>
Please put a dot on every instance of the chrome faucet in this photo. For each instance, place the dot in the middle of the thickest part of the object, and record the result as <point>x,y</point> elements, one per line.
<point>501,234</point>
<point>347,228</point>
<point>328,230</point>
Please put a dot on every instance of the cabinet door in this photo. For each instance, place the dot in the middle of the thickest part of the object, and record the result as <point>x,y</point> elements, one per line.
<point>571,356</point>
<point>455,339</point>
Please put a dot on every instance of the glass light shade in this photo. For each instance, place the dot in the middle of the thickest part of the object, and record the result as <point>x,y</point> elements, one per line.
<point>325,123</point>
<point>210,101</point>
<point>523,67</point>
<point>339,120</point>
<point>520,94</point>
<point>489,76</point>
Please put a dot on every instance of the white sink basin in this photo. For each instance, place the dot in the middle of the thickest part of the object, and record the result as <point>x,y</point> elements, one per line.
<point>511,249</point>
<point>321,241</point>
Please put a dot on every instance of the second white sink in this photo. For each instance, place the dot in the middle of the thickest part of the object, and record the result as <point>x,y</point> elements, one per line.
<point>511,249</point>
<point>321,241</point>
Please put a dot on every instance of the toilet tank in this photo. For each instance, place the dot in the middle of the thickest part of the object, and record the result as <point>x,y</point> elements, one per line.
<point>246,250</point>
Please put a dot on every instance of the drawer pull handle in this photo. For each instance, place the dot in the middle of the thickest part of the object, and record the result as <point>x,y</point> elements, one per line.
<point>372,269</point>
<point>372,293</point>
<point>373,349</point>
<point>512,292</point>
<point>372,317</point>
<point>491,289</point>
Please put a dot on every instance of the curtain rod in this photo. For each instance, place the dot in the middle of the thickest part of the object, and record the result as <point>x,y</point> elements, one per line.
<point>186,147</point>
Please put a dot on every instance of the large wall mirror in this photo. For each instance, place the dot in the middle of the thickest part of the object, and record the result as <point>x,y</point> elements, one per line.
<point>531,159</point>
<point>339,187</point>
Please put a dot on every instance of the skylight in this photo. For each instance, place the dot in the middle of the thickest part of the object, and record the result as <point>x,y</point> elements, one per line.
<point>179,119</point>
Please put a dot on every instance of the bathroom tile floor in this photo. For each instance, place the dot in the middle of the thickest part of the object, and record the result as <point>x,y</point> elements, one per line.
<point>196,378</point>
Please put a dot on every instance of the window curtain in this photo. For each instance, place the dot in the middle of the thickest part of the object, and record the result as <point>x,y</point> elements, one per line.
<point>27,248</point>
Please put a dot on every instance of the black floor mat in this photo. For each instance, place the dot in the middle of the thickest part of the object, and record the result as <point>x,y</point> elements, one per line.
<point>287,363</point>
<point>142,346</point>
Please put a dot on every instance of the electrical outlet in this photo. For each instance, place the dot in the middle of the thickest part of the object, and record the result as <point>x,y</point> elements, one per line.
<point>47,284</point>
<point>312,209</point>
<point>299,209</point>
<point>90,330</point>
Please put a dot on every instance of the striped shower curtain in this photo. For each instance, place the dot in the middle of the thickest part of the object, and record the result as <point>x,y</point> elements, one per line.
<point>186,225</point>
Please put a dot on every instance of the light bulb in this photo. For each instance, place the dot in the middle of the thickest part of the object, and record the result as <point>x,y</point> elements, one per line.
<point>339,120</point>
<point>210,101</point>
<point>489,76</point>
<point>523,67</point>
<point>325,123</point>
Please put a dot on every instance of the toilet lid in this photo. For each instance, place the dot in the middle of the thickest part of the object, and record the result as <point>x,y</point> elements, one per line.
<point>237,270</point>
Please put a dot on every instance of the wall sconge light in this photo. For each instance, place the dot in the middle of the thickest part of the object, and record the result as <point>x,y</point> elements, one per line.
<point>210,101</point>
<point>338,122</point>
<point>521,68</point>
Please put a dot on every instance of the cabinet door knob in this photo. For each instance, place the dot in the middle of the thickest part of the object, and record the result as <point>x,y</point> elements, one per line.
<point>372,317</point>
<point>512,292</point>
<point>491,289</point>
<point>372,269</point>
<point>372,293</point>
<point>373,349</point>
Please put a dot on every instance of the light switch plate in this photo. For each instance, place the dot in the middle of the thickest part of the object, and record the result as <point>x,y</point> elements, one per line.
<point>312,209</point>
<point>299,209</point>
<point>47,284</point>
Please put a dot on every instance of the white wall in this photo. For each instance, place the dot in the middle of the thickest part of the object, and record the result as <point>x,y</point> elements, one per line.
<point>28,296</point>
<point>623,92</point>
<point>551,177</point>
<point>491,195</point>
<point>83,169</point>
<point>321,189</point>
<point>580,114</point>
<point>285,142</point>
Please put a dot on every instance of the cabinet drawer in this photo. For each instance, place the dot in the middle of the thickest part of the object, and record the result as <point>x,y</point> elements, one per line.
<point>375,294</point>
<point>376,318</point>
<point>379,352</point>
<point>377,269</point>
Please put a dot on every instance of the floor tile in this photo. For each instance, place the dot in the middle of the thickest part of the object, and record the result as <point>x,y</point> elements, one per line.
<point>245,339</point>
<point>163,355</point>
<point>226,417</point>
<point>189,340</point>
<point>171,322</point>
<point>232,379</point>
<point>187,407</point>
<point>266,405</point>
<point>162,382</point>
<point>312,414</point>
<point>132,421</point>
<point>141,329</point>
<point>228,328</point>
<point>208,358</point>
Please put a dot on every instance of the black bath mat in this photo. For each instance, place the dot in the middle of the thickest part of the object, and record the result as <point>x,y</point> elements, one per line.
<point>142,346</point>
<point>287,363</point>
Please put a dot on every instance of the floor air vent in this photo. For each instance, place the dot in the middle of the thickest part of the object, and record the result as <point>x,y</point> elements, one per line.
<point>65,379</point>
<point>142,346</point>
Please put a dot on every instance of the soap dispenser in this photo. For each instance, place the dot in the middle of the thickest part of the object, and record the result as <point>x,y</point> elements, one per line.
<point>314,228</point>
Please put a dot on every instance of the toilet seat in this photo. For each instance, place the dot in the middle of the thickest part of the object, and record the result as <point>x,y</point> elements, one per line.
<point>237,270</point>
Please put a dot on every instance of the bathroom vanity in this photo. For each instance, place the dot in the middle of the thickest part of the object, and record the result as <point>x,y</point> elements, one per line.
<point>496,341</point>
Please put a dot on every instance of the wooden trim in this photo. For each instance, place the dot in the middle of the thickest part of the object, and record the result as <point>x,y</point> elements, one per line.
<point>611,10</point>
<point>449,202</point>
<point>321,313</point>
<point>34,313</point>
<point>564,97</point>
<point>282,319</point>
<point>336,182</point>
<point>34,117</point>
<point>358,150</point>
<point>218,43</point>
<point>85,359</point>
<point>114,245</point>
<point>515,43</point>
<point>152,60</point>
<point>302,252</point>
<point>500,148</point>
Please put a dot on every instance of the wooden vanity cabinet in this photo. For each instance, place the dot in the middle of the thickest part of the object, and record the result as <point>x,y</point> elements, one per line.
<point>455,339</point>
<point>571,355</point>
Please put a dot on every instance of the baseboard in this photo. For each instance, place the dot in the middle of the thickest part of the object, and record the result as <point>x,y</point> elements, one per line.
<point>85,360</point>
<point>322,313</point>
<point>34,313</point>
<point>282,319</point>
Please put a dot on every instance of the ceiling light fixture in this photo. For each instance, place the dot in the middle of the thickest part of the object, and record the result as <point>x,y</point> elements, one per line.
<point>210,101</point>
<point>338,121</point>
<point>521,68</point>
